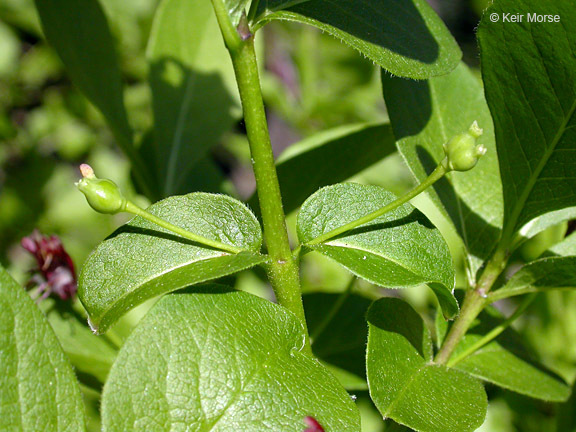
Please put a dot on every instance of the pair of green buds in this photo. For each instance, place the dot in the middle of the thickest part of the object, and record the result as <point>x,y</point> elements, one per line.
<point>104,196</point>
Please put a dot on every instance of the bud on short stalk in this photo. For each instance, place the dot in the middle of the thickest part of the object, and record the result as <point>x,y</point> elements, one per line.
<point>462,151</point>
<point>103,195</point>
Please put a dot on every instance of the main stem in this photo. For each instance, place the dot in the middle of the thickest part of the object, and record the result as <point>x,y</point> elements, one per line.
<point>282,269</point>
<point>474,301</point>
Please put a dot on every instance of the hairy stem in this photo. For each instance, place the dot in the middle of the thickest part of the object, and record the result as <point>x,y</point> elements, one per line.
<point>436,175</point>
<point>474,301</point>
<point>494,333</point>
<point>282,269</point>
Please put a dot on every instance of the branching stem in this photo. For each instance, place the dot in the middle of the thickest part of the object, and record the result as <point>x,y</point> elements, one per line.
<point>283,270</point>
<point>493,334</point>
<point>474,301</point>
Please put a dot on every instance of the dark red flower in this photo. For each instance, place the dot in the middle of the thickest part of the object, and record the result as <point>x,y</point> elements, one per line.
<point>55,272</point>
<point>313,425</point>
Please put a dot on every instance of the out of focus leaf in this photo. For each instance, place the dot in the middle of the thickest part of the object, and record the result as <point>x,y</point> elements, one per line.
<point>193,90</point>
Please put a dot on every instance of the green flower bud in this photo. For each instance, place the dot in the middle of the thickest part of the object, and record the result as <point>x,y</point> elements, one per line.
<point>462,151</point>
<point>103,195</point>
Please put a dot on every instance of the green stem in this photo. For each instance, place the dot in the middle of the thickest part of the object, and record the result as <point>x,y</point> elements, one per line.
<point>282,269</point>
<point>436,175</point>
<point>134,209</point>
<point>494,333</point>
<point>334,310</point>
<point>474,301</point>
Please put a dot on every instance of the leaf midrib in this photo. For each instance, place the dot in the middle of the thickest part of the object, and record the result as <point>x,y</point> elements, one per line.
<point>534,177</point>
<point>404,389</point>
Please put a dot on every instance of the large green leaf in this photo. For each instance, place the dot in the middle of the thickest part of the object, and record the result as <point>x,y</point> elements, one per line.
<point>329,157</point>
<point>425,115</point>
<point>399,249</point>
<point>193,89</point>
<point>79,32</point>
<point>540,275</point>
<point>405,37</point>
<point>339,335</point>
<point>529,70</point>
<point>404,383</point>
<point>141,260</point>
<point>221,360</point>
<point>38,389</point>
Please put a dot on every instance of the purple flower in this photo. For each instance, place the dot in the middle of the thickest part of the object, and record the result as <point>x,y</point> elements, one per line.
<point>313,425</point>
<point>55,272</point>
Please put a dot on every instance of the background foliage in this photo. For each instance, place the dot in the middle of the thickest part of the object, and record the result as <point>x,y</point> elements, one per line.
<point>311,83</point>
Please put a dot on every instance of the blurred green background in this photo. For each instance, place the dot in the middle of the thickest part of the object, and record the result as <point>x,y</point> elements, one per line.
<point>311,82</point>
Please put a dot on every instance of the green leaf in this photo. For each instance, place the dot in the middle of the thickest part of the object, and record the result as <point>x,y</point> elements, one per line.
<point>528,70</point>
<point>38,389</point>
<point>547,220</point>
<point>91,356</point>
<point>141,260</point>
<point>505,362</point>
<point>566,419</point>
<point>494,364</point>
<point>340,342</point>
<point>404,383</point>
<point>565,247</point>
<point>541,275</point>
<point>193,89</point>
<point>399,249</point>
<point>329,157</point>
<point>404,37</point>
<point>79,32</point>
<point>221,360</point>
<point>425,115</point>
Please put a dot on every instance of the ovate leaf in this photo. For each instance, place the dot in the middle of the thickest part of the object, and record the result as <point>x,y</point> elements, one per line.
<point>399,249</point>
<point>425,115</point>
<point>38,389</point>
<point>141,260</point>
<point>540,275</point>
<point>193,89</point>
<point>330,157</point>
<point>529,70</point>
<point>220,360</point>
<point>405,37</point>
<point>404,383</point>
